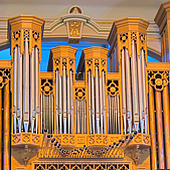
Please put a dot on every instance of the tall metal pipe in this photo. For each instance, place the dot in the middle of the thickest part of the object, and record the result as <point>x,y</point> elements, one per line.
<point>128,92</point>
<point>64,100</point>
<point>19,91</point>
<point>41,111</point>
<point>93,116</point>
<point>144,90</point>
<point>75,116</point>
<point>166,124</point>
<point>118,113</point>
<point>104,102</point>
<point>52,113</point>
<point>97,100</point>
<point>26,87</point>
<point>108,114</point>
<point>71,98</point>
<point>68,102</point>
<point>60,104</point>
<point>57,95</point>
<point>32,93</point>
<point>123,90</point>
<point>101,103</point>
<point>78,116</point>
<point>44,109</point>
<point>49,114</point>
<point>140,83</point>
<point>160,130</point>
<point>6,142</point>
<point>85,117</point>
<point>135,87</point>
<point>15,78</point>
<point>37,87</point>
<point>89,100</point>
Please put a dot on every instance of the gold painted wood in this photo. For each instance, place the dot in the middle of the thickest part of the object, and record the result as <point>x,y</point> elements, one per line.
<point>166,112</point>
<point>6,128</point>
<point>1,129</point>
<point>152,128</point>
<point>160,130</point>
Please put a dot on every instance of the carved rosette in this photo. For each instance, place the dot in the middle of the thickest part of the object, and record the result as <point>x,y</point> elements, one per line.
<point>158,79</point>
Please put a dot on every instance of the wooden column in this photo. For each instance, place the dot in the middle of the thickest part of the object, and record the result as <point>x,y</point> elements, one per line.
<point>6,128</point>
<point>166,125</point>
<point>0,129</point>
<point>152,128</point>
<point>160,130</point>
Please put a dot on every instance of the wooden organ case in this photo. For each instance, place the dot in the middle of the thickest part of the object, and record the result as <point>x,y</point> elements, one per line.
<point>105,120</point>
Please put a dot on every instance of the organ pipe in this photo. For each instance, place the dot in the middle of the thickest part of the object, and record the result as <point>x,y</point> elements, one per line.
<point>135,88</point>
<point>26,87</point>
<point>60,103</point>
<point>144,90</point>
<point>57,94</point>
<point>93,116</point>
<point>15,86</point>
<point>123,90</point>
<point>19,103</point>
<point>128,90</point>
<point>97,101</point>
<point>68,102</point>
<point>101,104</point>
<point>64,100</point>
<point>37,87</point>
<point>32,93</point>
<point>71,95</point>
<point>89,100</point>
<point>104,103</point>
<point>141,109</point>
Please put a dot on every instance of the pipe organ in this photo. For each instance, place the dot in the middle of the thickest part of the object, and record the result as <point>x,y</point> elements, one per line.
<point>105,120</point>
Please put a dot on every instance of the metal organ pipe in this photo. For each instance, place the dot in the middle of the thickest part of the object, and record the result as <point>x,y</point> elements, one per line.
<point>64,100</point>
<point>97,101</point>
<point>68,102</point>
<point>104,103</point>
<point>71,96</point>
<point>26,87</point>
<point>140,82</point>
<point>32,93</point>
<point>15,87</point>
<point>135,87</point>
<point>93,121</point>
<point>123,90</point>
<point>37,87</point>
<point>101,104</point>
<point>144,89</point>
<point>128,91</point>
<point>57,94</point>
<point>89,98</point>
<point>60,103</point>
<point>19,103</point>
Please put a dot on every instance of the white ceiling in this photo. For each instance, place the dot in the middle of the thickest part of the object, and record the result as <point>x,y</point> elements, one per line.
<point>97,9</point>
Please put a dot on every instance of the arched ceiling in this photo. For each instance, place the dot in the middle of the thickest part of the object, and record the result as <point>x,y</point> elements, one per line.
<point>102,13</point>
